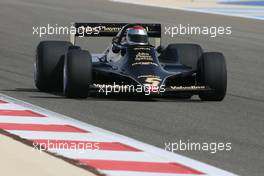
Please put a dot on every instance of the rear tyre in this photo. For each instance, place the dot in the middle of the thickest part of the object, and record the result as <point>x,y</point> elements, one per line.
<point>212,73</point>
<point>77,74</point>
<point>49,65</point>
<point>186,54</point>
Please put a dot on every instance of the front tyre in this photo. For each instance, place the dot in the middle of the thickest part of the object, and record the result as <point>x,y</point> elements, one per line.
<point>77,74</point>
<point>212,73</point>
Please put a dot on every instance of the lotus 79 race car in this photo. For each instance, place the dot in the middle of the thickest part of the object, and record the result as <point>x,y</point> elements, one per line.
<point>131,64</point>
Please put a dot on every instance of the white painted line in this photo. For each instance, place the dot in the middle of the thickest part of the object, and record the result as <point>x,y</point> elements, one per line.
<point>30,120</point>
<point>61,136</point>
<point>187,9</point>
<point>127,173</point>
<point>11,106</point>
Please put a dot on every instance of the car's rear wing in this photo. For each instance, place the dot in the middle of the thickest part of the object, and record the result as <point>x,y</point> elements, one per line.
<point>111,30</point>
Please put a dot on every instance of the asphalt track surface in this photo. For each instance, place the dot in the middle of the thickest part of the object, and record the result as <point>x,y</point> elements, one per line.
<point>239,119</point>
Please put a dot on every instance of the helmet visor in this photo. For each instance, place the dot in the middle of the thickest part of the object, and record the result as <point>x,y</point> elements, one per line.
<point>138,38</point>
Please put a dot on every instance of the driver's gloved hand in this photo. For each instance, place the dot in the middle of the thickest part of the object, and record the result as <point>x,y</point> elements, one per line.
<point>103,59</point>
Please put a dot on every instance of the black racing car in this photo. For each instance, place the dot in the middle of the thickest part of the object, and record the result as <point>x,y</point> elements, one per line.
<point>130,64</point>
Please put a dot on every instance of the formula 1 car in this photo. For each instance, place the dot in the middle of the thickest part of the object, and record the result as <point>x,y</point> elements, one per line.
<point>130,64</point>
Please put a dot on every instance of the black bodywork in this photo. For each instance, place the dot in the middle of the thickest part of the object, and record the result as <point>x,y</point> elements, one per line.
<point>132,69</point>
<point>141,65</point>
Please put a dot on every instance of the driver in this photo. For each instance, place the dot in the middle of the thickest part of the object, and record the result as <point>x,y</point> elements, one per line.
<point>136,35</point>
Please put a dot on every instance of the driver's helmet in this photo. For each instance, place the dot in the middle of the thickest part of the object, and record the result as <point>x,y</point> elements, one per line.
<point>137,35</point>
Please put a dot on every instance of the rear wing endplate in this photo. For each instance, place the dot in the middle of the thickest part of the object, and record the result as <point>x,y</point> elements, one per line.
<point>111,30</point>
